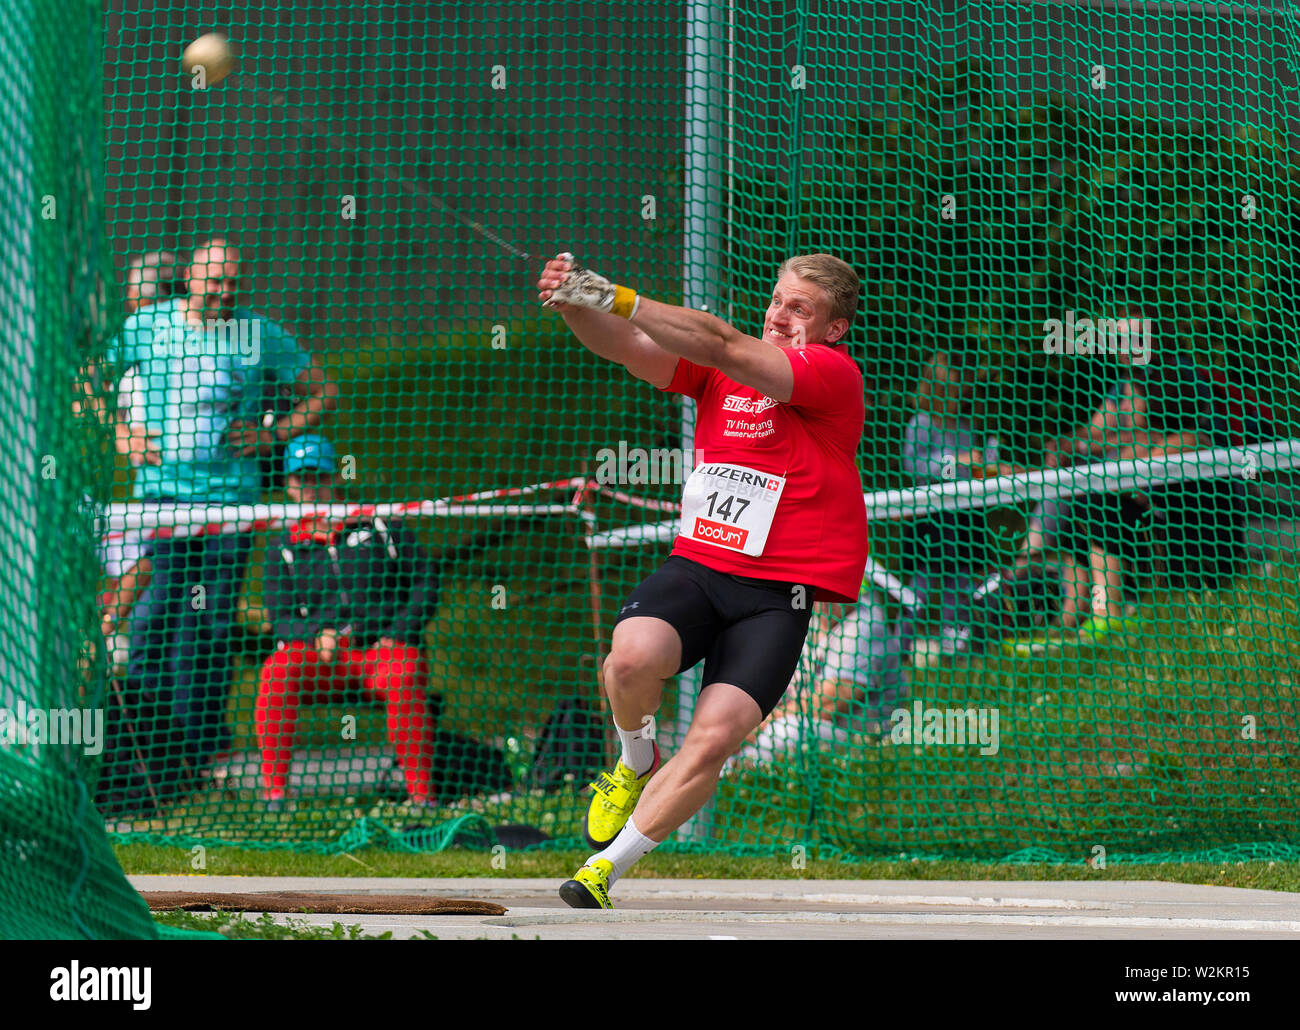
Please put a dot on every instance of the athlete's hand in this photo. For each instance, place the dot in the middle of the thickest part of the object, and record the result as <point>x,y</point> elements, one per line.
<point>552,278</point>
<point>583,288</point>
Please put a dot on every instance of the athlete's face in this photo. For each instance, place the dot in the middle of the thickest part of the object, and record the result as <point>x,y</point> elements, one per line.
<point>800,313</point>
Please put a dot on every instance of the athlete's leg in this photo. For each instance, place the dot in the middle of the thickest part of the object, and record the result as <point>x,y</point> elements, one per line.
<point>861,673</point>
<point>646,650</point>
<point>820,647</point>
<point>753,631</point>
<point>644,653</point>
<point>724,716</point>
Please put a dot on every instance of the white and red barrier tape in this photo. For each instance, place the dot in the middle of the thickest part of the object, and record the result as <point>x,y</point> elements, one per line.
<point>1023,489</point>
<point>161,521</point>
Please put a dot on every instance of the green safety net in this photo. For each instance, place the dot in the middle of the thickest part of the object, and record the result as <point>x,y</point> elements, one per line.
<point>1077,639</point>
<point>58,874</point>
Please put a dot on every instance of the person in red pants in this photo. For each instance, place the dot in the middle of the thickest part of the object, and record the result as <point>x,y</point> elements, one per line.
<point>348,600</point>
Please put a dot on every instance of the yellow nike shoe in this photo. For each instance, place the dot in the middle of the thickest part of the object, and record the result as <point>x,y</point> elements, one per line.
<point>589,887</point>
<point>616,795</point>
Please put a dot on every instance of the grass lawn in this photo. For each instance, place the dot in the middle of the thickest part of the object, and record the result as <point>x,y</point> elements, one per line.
<point>153,859</point>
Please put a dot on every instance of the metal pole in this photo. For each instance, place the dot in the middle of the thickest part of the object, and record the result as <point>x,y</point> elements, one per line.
<point>708,101</point>
<point>20,629</point>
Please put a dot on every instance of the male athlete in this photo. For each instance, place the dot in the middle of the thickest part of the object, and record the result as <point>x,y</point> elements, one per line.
<point>772,519</point>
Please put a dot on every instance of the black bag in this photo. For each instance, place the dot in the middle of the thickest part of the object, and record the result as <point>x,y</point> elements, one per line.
<point>572,744</point>
<point>1027,598</point>
<point>463,766</point>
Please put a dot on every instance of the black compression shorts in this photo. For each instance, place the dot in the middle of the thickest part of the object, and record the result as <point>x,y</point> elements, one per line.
<point>750,631</point>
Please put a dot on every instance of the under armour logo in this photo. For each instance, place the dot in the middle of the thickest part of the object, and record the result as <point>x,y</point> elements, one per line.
<point>629,607</point>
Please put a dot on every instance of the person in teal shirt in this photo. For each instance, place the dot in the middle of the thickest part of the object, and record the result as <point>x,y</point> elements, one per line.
<point>204,367</point>
<point>198,385</point>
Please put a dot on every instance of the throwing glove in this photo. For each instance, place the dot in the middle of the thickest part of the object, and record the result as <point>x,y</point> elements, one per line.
<point>585,289</point>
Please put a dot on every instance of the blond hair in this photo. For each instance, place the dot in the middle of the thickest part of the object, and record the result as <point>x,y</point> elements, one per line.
<point>838,280</point>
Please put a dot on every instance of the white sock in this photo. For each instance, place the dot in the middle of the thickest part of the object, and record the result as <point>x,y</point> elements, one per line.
<point>638,749</point>
<point>629,847</point>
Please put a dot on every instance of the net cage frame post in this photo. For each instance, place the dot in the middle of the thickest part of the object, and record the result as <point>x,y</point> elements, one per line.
<point>18,598</point>
<point>710,42</point>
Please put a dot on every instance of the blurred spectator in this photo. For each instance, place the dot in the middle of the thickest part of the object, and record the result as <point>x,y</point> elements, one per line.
<point>349,600</point>
<point>1105,532</point>
<point>126,777</point>
<point>948,553</point>
<point>195,431</point>
<point>151,278</point>
<point>1156,409</point>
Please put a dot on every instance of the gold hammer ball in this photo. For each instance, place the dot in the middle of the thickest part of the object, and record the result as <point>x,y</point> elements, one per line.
<point>213,53</point>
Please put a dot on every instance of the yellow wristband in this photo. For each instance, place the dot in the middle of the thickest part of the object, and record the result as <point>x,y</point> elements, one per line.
<point>625,302</point>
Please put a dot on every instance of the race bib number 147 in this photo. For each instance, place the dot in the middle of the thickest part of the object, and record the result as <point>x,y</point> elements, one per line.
<point>730,506</point>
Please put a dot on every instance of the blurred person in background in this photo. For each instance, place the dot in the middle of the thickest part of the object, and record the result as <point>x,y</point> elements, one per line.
<point>1157,407</point>
<point>948,554</point>
<point>152,277</point>
<point>348,600</point>
<point>196,430</point>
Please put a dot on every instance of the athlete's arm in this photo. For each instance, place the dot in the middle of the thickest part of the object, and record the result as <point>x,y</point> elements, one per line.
<point>607,335</point>
<point>617,340</point>
<point>676,331</point>
<point>708,340</point>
